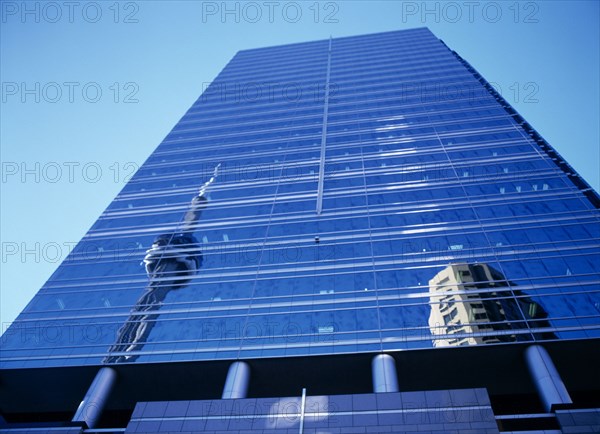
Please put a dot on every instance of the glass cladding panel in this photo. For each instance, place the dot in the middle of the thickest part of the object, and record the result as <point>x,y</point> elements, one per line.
<point>443,221</point>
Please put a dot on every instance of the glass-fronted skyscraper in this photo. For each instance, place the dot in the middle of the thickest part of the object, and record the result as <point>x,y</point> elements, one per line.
<point>348,235</point>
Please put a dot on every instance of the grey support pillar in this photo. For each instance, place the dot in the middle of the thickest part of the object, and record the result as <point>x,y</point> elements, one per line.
<point>385,378</point>
<point>90,409</point>
<point>237,382</point>
<point>546,378</point>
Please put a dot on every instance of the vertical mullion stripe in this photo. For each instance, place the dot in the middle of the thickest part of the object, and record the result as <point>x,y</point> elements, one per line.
<point>324,136</point>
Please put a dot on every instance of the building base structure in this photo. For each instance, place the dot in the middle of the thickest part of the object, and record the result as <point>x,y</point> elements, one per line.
<point>458,390</point>
<point>466,410</point>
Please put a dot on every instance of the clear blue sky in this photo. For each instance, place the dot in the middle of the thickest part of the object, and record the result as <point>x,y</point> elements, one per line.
<point>543,56</point>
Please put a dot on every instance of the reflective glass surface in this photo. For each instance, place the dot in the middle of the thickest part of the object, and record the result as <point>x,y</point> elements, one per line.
<point>350,195</point>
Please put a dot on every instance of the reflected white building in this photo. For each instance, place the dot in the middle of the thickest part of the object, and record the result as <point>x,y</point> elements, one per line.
<point>466,310</point>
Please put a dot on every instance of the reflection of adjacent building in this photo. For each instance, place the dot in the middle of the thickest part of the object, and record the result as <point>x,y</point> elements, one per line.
<point>474,304</point>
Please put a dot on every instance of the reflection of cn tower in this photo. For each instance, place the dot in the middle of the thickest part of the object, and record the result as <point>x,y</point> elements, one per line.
<point>170,263</point>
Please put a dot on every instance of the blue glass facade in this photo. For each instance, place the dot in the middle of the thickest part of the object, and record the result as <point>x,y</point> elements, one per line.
<point>349,196</point>
<point>414,166</point>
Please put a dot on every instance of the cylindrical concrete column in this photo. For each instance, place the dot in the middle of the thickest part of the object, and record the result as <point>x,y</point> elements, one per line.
<point>546,378</point>
<point>237,382</point>
<point>90,409</point>
<point>385,378</point>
